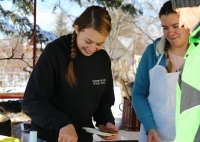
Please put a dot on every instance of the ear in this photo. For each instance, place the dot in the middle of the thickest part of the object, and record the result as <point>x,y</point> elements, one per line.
<point>76,29</point>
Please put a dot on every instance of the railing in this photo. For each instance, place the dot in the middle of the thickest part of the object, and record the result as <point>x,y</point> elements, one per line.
<point>11,95</point>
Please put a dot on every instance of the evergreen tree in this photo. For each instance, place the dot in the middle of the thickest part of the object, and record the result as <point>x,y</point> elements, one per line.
<point>114,4</point>
<point>61,25</point>
<point>15,22</point>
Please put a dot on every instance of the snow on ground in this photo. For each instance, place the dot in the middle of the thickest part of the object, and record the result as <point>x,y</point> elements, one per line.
<point>116,108</point>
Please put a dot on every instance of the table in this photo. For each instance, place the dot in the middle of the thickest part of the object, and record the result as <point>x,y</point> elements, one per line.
<point>123,135</point>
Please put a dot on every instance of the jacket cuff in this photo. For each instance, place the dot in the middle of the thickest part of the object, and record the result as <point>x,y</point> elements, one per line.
<point>62,123</point>
<point>148,123</point>
<point>105,120</point>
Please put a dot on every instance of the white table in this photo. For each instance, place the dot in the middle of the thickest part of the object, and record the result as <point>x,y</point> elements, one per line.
<point>123,135</point>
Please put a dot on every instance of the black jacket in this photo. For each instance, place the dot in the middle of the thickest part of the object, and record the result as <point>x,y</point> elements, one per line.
<point>52,104</point>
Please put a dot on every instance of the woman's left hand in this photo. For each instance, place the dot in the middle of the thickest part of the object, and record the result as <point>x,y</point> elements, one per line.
<point>110,125</point>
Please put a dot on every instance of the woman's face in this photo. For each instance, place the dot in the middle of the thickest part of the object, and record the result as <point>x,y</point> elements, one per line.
<point>89,41</point>
<point>189,16</point>
<point>178,37</point>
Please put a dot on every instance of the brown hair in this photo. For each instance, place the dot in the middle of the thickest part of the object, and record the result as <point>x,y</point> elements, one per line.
<point>169,63</point>
<point>167,9</point>
<point>95,17</point>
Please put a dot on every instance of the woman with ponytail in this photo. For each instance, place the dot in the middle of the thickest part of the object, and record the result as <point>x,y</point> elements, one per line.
<point>154,90</point>
<point>71,84</point>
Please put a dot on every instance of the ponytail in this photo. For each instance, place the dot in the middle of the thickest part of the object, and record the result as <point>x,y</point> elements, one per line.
<point>169,63</point>
<point>69,74</point>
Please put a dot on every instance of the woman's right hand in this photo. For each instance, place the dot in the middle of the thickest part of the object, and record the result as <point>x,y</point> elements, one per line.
<point>67,134</point>
<point>153,136</point>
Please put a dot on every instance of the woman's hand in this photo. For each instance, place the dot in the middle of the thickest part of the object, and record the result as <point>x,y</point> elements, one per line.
<point>68,134</point>
<point>153,136</point>
<point>110,125</point>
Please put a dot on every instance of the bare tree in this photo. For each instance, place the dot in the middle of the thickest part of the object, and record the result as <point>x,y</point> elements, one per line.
<point>11,70</point>
<point>139,31</point>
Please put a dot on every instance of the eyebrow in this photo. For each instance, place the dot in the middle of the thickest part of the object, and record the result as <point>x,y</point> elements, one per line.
<point>171,25</point>
<point>92,41</point>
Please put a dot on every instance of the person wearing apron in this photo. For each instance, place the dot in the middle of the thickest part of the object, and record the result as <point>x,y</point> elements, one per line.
<point>162,89</point>
<point>154,89</point>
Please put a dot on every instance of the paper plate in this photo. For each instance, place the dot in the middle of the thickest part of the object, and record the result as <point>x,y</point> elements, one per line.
<point>97,131</point>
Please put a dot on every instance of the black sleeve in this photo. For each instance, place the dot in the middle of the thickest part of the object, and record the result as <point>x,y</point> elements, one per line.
<point>103,113</point>
<point>39,88</point>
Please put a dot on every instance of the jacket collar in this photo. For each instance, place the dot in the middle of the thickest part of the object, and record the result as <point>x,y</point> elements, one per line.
<point>195,35</point>
<point>160,44</point>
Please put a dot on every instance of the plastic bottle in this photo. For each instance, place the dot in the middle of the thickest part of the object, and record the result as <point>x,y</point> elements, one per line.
<point>33,136</point>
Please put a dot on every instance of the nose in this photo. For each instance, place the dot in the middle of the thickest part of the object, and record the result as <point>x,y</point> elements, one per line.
<point>170,31</point>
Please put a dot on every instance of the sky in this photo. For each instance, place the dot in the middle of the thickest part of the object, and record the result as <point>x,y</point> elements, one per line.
<point>46,19</point>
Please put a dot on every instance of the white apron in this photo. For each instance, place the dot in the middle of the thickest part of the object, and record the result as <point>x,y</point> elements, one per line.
<point>162,100</point>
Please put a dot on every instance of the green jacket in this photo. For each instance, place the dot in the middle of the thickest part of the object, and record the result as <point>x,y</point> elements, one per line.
<point>188,94</point>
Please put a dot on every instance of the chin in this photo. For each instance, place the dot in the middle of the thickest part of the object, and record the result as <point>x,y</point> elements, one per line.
<point>85,53</point>
<point>176,41</point>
